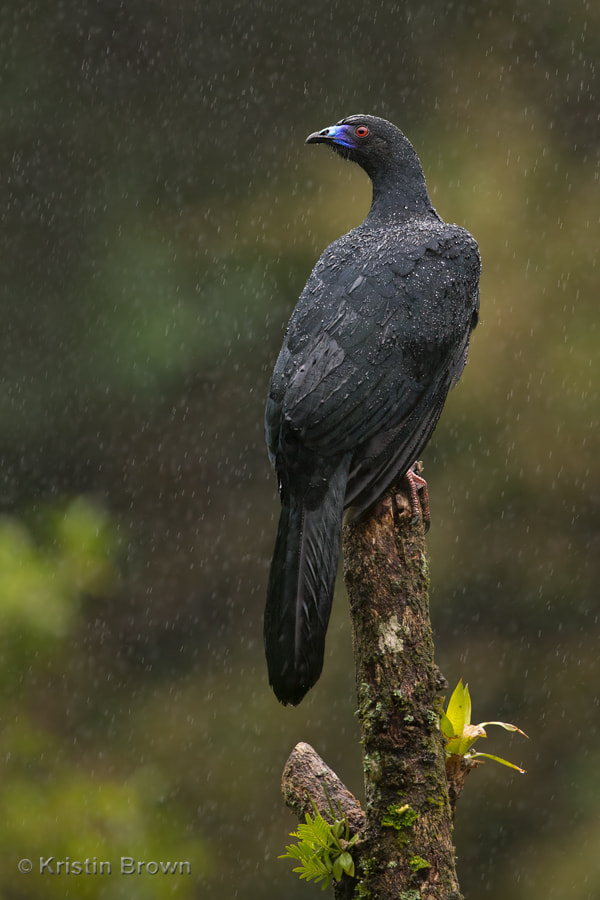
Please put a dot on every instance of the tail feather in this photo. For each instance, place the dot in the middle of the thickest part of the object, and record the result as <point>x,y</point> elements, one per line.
<point>300,589</point>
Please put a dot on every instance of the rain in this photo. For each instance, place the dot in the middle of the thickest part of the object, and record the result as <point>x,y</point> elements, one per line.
<point>159,216</point>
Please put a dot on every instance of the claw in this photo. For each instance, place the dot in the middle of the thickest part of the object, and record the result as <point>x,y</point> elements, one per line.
<point>416,485</point>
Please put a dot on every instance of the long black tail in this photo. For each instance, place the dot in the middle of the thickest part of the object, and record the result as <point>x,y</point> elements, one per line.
<point>300,590</point>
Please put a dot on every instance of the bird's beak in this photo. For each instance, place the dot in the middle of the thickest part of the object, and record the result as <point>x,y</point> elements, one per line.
<point>334,134</point>
<point>319,137</point>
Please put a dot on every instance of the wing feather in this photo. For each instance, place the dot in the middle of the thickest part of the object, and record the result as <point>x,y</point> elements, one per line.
<point>373,346</point>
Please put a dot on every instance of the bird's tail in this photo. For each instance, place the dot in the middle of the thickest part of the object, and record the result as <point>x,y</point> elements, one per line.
<point>300,590</point>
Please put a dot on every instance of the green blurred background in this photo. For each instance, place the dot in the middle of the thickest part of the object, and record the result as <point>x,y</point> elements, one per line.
<point>159,215</point>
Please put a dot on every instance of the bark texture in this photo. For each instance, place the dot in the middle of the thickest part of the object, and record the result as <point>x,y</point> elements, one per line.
<point>408,835</point>
<point>307,777</point>
<point>405,850</point>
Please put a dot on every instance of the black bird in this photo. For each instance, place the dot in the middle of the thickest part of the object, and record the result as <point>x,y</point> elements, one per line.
<point>377,339</point>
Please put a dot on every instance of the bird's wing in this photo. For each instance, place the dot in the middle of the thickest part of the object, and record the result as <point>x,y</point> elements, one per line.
<point>371,335</point>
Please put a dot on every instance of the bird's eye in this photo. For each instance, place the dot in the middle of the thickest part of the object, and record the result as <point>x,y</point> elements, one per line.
<point>361,131</point>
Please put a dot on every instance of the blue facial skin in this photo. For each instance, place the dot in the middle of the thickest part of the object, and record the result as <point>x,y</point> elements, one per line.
<point>339,135</point>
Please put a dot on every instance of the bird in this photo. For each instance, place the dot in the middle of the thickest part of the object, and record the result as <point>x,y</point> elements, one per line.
<point>378,337</point>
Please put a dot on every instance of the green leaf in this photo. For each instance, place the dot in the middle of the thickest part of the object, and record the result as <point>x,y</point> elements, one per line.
<point>462,742</point>
<point>320,850</point>
<point>446,726</point>
<point>337,829</point>
<point>455,724</point>
<point>347,863</point>
<point>337,870</point>
<point>497,759</point>
<point>459,708</point>
<point>506,725</point>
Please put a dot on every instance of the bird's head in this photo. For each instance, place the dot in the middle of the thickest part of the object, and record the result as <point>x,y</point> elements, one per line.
<point>361,138</point>
<point>380,148</point>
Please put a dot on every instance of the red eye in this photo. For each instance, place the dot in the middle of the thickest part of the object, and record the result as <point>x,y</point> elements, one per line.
<point>361,131</point>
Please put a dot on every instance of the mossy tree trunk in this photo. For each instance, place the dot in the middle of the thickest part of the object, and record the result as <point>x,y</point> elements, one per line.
<point>405,850</point>
<point>408,818</point>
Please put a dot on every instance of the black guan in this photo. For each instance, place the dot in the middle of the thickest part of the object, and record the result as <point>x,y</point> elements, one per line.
<point>377,339</point>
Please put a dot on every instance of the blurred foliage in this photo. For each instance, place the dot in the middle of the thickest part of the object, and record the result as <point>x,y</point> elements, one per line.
<point>46,565</point>
<point>159,215</point>
<point>59,797</point>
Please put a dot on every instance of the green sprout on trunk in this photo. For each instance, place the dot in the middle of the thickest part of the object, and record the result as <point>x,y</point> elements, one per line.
<point>455,723</point>
<point>323,848</point>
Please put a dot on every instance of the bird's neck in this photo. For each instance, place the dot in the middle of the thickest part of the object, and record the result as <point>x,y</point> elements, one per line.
<point>399,193</point>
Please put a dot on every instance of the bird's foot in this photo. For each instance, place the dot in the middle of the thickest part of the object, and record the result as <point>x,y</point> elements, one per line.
<point>417,484</point>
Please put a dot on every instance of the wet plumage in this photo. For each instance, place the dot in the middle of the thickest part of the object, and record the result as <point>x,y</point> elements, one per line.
<point>379,335</point>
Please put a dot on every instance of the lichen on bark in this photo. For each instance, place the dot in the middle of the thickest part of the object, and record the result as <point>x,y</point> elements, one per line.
<point>408,816</point>
<point>405,848</point>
